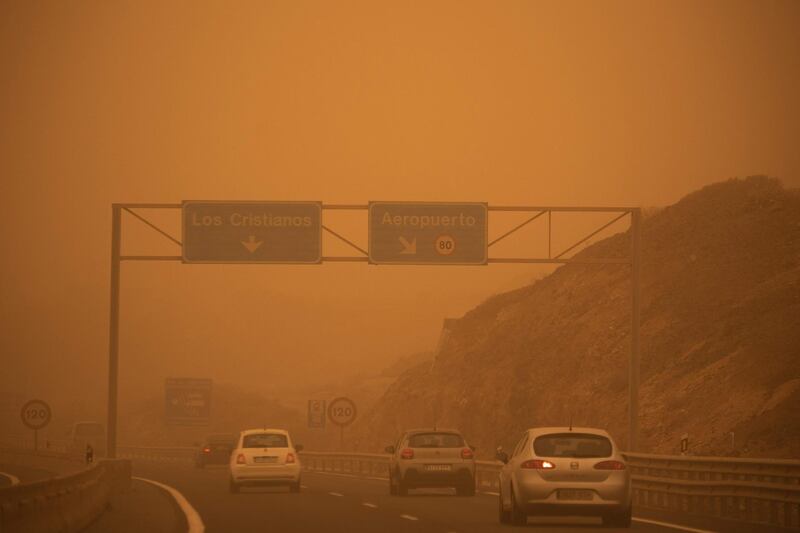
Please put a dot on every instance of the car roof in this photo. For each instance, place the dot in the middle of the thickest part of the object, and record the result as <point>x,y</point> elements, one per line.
<point>263,430</point>
<point>432,430</point>
<point>566,429</point>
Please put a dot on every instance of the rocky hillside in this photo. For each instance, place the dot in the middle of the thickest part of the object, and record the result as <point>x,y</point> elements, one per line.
<point>720,339</point>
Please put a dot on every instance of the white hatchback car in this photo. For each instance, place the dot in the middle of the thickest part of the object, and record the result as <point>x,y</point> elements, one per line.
<point>565,471</point>
<point>265,457</point>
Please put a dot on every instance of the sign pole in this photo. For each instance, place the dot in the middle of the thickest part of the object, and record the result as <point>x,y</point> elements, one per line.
<point>633,365</point>
<point>113,333</point>
<point>36,440</point>
<point>341,438</point>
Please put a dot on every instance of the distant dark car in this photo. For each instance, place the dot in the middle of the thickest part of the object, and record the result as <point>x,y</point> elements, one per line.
<point>215,450</point>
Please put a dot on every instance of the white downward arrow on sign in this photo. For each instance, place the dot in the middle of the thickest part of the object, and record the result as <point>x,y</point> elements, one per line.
<point>252,244</point>
<point>409,248</point>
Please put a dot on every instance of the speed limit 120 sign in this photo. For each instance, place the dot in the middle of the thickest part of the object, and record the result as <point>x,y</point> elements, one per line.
<point>342,411</point>
<point>35,414</point>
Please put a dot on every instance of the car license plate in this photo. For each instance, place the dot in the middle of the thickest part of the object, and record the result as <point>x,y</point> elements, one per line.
<point>265,459</point>
<point>438,468</point>
<point>569,494</point>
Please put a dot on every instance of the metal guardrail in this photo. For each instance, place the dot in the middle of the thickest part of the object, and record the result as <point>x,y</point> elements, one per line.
<point>748,490</point>
<point>157,452</point>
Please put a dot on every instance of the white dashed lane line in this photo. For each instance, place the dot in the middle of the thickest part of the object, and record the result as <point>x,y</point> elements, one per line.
<point>337,494</point>
<point>370,505</point>
<point>408,517</point>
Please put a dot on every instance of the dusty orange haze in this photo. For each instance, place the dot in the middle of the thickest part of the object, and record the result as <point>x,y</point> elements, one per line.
<point>626,103</point>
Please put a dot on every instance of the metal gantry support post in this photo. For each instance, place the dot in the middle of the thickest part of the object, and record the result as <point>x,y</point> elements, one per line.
<point>633,366</point>
<point>113,333</point>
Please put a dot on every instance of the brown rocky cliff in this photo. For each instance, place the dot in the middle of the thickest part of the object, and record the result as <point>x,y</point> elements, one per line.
<point>720,339</point>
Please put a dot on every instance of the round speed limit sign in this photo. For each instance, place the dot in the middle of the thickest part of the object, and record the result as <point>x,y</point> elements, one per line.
<point>342,411</point>
<point>445,245</point>
<point>35,414</point>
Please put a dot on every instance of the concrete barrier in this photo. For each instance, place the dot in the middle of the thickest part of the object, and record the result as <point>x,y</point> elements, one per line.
<point>63,504</point>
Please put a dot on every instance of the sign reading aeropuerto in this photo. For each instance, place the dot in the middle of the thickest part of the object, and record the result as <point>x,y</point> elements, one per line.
<point>188,401</point>
<point>428,233</point>
<point>252,232</point>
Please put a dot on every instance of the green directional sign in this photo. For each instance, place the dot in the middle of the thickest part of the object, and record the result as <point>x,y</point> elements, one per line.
<point>428,233</point>
<point>252,232</point>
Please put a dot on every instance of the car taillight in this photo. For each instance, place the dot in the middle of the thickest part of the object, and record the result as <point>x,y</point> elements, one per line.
<point>206,450</point>
<point>610,465</point>
<point>466,453</point>
<point>289,458</point>
<point>538,464</point>
<point>407,453</point>
<point>240,459</point>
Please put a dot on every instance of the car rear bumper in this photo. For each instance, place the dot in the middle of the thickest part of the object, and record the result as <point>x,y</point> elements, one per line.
<point>248,474</point>
<point>540,496</point>
<point>419,477</point>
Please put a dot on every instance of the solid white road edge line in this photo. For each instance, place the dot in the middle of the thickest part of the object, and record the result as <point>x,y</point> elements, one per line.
<point>670,525</point>
<point>490,493</point>
<point>408,517</point>
<point>192,517</point>
<point>14,479</point>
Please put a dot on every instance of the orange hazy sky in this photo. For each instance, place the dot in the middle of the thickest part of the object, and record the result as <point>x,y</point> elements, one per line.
<point>512,102</point>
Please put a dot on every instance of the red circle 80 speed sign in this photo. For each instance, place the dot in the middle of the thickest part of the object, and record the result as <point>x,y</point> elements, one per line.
<point>35,414</point>
<point>342,411</point>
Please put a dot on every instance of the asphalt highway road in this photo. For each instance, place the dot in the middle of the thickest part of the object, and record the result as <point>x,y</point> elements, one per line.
<point>332,503</point>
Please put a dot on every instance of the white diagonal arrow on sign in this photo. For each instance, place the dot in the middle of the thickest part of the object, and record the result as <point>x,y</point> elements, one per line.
<point>252,244</point>
<point>409,248</point>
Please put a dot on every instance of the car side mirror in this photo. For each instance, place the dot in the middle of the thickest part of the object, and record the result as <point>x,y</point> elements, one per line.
<point>389,449</point>
<point>298,448</point>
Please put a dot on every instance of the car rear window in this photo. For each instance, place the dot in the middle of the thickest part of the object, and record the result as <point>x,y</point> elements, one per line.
<point>436,440</point>
<point>572,445</point>
<point>265,440</point>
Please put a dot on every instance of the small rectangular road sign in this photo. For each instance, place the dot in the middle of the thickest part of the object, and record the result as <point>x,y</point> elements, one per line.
<point>188,401</point>
<point>252,232</point>
<point>428,233</point>
<point>317,413</point>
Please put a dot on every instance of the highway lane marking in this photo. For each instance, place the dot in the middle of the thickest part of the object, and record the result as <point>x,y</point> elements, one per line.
<point>408,517</point>
<point>192,517</point>
<point>370,505</point>
<point>337,494</point>
<point>303,486</point>
<point>670,525</point>
<point>11,477</point>
<point>490,493</point>
<point>372,478</point>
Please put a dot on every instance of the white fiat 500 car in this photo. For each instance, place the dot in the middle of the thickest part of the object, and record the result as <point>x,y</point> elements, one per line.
<point>565,471</point>
<point>265,457</point>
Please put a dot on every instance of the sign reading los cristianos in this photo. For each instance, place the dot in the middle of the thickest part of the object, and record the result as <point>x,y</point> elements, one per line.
<point>252,232</point>
<point>428,233</point>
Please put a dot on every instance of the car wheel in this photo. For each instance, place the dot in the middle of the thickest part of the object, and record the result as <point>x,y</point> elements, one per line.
<point>234,487</point>
<point>621,519</point>
<point>466,488</point>
<point>503,515</point>
<point>402,488</point>
<point>518,516</point>
<point>392,486</point>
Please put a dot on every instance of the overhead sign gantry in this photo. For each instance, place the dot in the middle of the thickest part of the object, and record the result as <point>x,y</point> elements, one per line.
<point>399,233</point>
